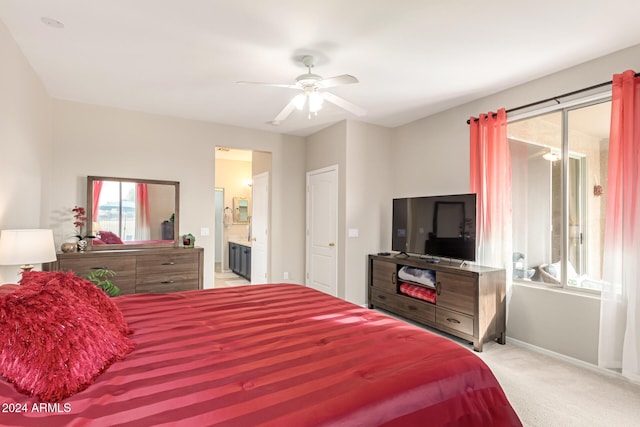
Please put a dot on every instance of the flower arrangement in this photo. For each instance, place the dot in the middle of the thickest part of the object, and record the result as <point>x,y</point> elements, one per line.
<point>79,221</point>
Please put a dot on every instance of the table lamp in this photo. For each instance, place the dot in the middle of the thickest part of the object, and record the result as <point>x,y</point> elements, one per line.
<point>26,247</point>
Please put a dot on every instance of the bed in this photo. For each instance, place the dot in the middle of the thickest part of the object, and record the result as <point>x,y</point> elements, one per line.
<point>273,355</point>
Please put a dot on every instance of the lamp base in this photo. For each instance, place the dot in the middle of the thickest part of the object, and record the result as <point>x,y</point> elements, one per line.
<point>26,267</point>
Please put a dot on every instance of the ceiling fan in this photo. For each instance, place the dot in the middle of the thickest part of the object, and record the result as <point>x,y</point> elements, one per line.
<point>313,93</point>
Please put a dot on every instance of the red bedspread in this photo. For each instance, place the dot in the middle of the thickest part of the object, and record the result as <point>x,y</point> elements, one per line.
<point>281,355</point>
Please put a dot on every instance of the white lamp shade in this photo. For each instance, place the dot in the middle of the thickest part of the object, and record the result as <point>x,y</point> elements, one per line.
<point>19,247</point>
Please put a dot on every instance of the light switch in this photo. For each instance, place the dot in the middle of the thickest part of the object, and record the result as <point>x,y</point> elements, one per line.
<point>354,232</point>
<point>204,231</point>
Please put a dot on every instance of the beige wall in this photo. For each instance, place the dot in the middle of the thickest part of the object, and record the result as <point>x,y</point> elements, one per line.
<point>25,145</point>
<point>368,202</point>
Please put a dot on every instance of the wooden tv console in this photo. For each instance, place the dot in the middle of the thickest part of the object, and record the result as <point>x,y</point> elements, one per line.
<point>470,299</point>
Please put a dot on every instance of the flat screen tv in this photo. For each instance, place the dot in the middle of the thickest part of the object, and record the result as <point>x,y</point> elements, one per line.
<point>437,226</point>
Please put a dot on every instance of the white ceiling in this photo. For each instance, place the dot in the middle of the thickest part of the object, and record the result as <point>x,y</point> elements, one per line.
<point>413,57</point>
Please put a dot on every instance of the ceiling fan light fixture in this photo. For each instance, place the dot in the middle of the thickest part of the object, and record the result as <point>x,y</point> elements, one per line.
<point>315,102</point>
<point>299,101</point>
<point>551,156</point>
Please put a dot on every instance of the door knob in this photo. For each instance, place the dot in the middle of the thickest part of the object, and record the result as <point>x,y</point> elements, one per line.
<point>331,245</point>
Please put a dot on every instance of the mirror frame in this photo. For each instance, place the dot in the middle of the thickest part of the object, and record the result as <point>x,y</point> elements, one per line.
<point>109,247</point>
<point>236,210</point>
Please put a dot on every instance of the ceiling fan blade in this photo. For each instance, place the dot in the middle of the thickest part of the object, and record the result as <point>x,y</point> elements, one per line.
<point>270,84</point>
<point>343,103</point>
<point>344,79</point>
<point>288,109</point>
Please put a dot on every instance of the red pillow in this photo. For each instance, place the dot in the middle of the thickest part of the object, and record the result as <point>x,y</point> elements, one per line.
<point>86,291</point>
<point>52,344</point>
<point>96,241</point>
<point>110,238</point>
<point>8,288</point>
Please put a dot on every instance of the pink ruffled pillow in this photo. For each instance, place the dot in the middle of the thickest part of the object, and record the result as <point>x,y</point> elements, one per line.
<point>52,343</point>
<point>110,238</point>
<point>80,288</point>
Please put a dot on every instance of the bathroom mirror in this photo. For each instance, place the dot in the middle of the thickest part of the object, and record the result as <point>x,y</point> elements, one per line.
<point>128,213</point>
<point>241,210</point>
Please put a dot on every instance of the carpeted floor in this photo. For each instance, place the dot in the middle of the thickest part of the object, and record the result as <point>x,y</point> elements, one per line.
<point>550,392</point>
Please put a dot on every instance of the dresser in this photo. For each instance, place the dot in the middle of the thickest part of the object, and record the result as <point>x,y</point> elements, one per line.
<point>139,270</point>
<point>469,302</point>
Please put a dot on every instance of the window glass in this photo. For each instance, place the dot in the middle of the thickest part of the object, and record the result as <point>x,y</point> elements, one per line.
<point>536,195</point>
<point>559,204</point>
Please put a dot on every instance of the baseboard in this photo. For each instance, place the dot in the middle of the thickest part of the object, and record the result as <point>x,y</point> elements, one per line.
<point>569,359</point>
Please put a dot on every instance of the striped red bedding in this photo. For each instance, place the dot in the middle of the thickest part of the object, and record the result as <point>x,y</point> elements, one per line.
<point>279,355</point>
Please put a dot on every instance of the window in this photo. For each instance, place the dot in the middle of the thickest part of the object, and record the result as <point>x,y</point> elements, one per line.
<point>559,174</point>
<point>116,209</point>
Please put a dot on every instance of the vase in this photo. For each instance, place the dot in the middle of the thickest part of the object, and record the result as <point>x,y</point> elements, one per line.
<point>82,245</point>
<point>67,247</point>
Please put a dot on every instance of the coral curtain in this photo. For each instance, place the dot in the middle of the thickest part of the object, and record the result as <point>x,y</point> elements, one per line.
<point>619,344</point>
<point>491,181</point>
<point>143,222</point>
<point>97,188</point>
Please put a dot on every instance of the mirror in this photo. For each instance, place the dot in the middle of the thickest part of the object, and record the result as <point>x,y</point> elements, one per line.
<point>241,210</point>
<point>129,213</point>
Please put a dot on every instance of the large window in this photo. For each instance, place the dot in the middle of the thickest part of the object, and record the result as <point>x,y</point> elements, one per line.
<point>559,170</point>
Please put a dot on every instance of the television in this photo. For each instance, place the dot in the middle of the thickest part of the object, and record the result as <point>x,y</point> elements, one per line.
<point>436,226</point>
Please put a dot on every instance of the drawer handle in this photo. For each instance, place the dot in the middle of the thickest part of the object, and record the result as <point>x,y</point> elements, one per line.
<point>382,297</point>
<point>438,288</point>
<point>452,320</point>
<point>169,263</point>
<point>99,268</point>
<point>412,307</point>
<point>393,278</point>
<point>167,281</point>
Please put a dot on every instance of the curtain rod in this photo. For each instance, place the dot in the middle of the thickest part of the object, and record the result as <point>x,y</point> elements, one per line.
<point>555,98</point>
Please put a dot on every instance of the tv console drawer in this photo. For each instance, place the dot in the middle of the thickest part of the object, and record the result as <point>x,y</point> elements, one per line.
<point>410,307</point>
<point>453,320</point>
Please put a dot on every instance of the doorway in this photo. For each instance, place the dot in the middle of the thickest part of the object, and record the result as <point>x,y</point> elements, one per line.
<point>234,171</point>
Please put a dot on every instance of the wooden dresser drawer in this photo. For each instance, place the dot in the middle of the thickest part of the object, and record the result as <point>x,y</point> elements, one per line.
<point>419,310</point>
<point>455,321</point>
<point>123,266</point>
<point>170,272</point>
<point>167,263</point>
<point>384,276</point>
<point>167,286</point>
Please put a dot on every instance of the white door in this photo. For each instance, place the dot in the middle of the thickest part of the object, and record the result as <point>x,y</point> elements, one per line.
<point>322,230</point>
<point>260,229</point>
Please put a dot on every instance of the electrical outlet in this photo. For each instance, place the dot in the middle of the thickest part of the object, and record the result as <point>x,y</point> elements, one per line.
<point>286,275</point>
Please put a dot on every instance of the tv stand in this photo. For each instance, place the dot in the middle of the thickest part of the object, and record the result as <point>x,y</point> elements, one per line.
<point>432,260</point>
<point>470,299</point>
